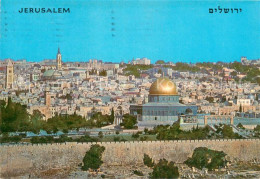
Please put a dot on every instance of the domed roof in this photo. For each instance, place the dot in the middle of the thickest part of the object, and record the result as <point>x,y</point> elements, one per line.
<point>51,73</point>
<point>48,73</point>
<point>163,86</point>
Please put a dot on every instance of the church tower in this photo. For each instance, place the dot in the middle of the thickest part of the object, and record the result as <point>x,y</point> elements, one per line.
<point>58,60</point>
<point>47,98</point>
<point>9,75</point>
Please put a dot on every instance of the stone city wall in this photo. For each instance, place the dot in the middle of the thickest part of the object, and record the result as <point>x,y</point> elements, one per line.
<point>27,158</point>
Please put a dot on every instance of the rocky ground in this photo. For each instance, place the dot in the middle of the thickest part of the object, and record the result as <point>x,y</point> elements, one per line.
<point>237,170</point>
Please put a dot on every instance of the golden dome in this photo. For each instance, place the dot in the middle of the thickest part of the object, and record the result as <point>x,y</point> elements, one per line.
<point>163,86</point>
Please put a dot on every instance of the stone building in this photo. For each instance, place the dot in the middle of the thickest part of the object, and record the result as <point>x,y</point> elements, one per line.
<point>9,75</point>
<point>58,60</point>
<point>163,105</point>
<point>118,115</point>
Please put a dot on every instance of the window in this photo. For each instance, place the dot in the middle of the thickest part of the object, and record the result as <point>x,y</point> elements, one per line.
<point>155,118</point>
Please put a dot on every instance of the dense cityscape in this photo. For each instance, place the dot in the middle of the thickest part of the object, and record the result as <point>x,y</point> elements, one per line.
<point>52,101</point>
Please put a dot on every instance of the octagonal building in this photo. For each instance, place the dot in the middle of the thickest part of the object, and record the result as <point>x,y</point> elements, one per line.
<point>163,107</point>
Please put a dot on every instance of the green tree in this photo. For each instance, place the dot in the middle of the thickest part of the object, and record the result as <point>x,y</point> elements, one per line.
<point>165,169</point>
<point>47,139</point>
<point>93,72</point>
<point>135,69</point>
<point>168,132</point>
<point>98,120</point>
<point>36,121</point>
<point>185,67</point>
<point>129,121</point>
<point>240,108</point>
<point>103,73</point>
<point>148,161</point>
<point>233,73</point>
<point>100,135</point>
<point>116,139</point>
<point>14,117</point>
<point>160,62</point>
<point>63,138</point>
<point>93,157</point>
<point>112,116</point>
<point>203,157</point>
<point>146,130</point>
<point>6,138</point>
<point>240,126</point>
<point>64,122</point>
<point>257,129</point>
<point>174,132</point>
<point>138,173</point>
<point>87,138</point>
<point>135,136</point>
<point>227,132</point>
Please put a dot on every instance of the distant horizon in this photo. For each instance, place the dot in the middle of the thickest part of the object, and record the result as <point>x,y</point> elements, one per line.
<point>115,31</point>
<point>126,62</point>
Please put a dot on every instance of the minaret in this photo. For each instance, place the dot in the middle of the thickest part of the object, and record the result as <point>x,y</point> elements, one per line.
<point>58,60</point>
<point>47,98</point>
<point>9,75</point>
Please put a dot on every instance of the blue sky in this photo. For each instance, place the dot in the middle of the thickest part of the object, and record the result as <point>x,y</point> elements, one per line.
<point>168,30</point>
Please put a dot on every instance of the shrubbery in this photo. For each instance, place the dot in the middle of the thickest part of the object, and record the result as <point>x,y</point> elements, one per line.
<point>14,117</point>
<point>163,169</point>
<point>7,139</point>
<point>62,138</point>
<point>175,133</point>
<point>148,161</point>
<point>92,158</point>
<point>138,173</point>
<point>203,157</point>
<point>129,121</point>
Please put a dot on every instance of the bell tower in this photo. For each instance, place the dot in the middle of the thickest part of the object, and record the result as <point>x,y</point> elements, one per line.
<point>9,75</point>
<point>58,60</point>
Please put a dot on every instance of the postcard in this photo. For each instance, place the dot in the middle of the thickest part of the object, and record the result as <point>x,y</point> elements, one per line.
<point>129,89</point>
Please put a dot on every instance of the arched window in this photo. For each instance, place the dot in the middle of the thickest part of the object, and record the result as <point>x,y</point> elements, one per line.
<point>188,111</point>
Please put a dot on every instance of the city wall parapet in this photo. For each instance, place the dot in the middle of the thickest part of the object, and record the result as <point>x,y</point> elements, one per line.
<point>36,157</point>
